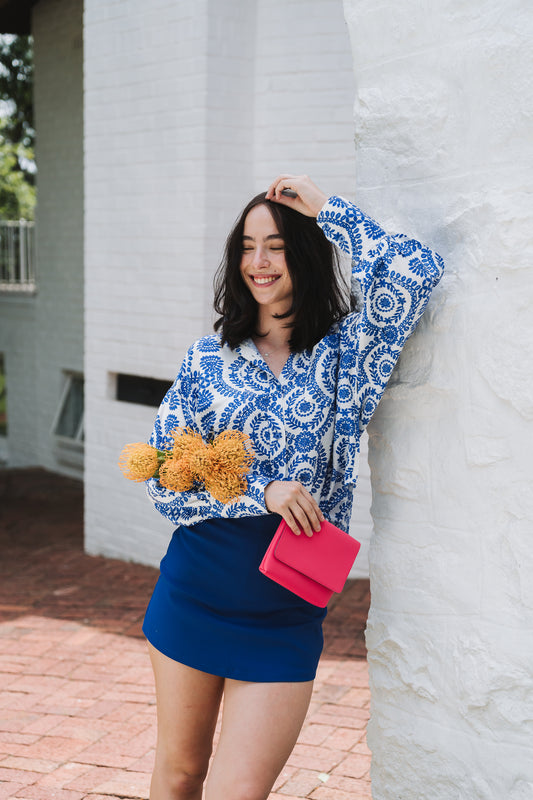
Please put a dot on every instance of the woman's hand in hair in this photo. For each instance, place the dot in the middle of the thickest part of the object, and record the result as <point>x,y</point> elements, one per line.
<point>293,502</point>
<point>309,200</point>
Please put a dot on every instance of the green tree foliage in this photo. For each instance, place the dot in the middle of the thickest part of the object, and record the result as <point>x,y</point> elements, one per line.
<point>17,136</point>
<point>17,195</point>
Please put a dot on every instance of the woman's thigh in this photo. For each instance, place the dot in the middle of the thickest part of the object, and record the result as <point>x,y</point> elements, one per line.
<point>260,726</point>
<point>188,702</point>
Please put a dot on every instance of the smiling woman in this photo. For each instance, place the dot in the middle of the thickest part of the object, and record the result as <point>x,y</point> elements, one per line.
<point>274,246</point>
<point>291,368</point>
<point>264,268</point>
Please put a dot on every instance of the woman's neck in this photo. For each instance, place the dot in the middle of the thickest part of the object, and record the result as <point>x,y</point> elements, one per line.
<point>272,341</point>
<point>274,332</point>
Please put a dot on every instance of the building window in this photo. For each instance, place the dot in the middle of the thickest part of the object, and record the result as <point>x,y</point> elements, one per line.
<point>144,391</point>
<point>68,424</point>
<point>17,256</point>
<point>3,398</point>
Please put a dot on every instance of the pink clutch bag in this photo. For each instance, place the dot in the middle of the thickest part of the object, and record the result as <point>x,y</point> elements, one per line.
<point>313,567</point>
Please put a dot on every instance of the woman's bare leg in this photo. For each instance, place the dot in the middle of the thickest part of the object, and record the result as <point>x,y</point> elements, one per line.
<point>260,726</point>
<point>187,709</point>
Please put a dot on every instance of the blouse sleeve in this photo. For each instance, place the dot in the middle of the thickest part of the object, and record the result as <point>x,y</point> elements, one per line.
<point>396,276</point>
<point>178,410</point>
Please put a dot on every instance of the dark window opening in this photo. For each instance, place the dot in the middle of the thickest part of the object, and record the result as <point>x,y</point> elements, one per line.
<point>69,420</point>
<point>144,391</point>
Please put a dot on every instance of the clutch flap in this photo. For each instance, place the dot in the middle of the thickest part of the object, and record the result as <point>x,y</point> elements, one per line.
<point>326,557</point>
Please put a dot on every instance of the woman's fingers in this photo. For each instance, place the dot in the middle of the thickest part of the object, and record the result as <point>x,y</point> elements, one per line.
<point>291,522</point>
<point>277,186</point>
<point>304,520</point>
<point>295,504</point>
<point>309,199</point>
<point>308,513</point>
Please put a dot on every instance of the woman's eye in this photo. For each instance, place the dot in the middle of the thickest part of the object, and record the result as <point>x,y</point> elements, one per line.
<point>247,249</point>
<point>278,249</point>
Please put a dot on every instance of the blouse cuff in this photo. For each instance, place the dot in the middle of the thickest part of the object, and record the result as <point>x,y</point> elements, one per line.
<point>259,482</point>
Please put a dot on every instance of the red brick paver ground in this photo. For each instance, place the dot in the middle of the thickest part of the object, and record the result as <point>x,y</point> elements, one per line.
<point>77,706</point>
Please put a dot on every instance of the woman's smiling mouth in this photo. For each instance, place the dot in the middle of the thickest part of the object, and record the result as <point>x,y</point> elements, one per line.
<point>264,280</point>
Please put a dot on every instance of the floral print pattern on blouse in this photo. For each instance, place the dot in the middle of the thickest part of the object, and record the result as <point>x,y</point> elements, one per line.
<point>306,424</point>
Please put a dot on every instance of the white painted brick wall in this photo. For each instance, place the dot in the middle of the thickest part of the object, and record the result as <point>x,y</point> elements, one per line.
<point>145,178</point>
<point>42,335</point>
<point>188,112</point>
<point>444,151</point>
<point>304,93</point>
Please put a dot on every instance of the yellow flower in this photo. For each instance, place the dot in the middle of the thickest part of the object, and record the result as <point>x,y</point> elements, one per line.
<point>176,475</point>
<point>231,456</point>
<point>200,461</point>
<point>234,449</point>
<point>138,461</point>
<point>186,442</point>
<point>221,465</point>
<point>225,485</point>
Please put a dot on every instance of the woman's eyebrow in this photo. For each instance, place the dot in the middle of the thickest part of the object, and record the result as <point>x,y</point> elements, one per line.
<point>267,238</point>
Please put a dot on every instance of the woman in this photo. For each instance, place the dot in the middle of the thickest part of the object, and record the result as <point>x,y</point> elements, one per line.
<point>300,372</point>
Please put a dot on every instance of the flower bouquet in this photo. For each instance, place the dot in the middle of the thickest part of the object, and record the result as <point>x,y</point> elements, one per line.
<point>220,465</point>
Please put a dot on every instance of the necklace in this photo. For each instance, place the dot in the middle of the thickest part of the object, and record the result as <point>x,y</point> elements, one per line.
<point>268,354</point>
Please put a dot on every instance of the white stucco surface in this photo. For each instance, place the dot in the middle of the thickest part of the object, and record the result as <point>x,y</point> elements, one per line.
<point>444,151</point>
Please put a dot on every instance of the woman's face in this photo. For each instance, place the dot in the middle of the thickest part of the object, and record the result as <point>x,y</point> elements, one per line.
<point>263,266</point>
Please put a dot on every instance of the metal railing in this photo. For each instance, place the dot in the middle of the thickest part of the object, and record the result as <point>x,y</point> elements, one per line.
<point>17,255</point>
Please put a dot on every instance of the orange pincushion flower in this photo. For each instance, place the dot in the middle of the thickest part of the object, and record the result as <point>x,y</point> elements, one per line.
<point>200,461</point>
<point>220,465</point>
<point>190,448</point>
<point>234,448</point>
<point>138,461</point>
<point>186,442</point>
<point>231,456</point>
<point>226,485</point>
<point>176,474</point>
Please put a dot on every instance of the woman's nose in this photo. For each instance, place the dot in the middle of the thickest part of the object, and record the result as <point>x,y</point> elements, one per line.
<point>260,257</point>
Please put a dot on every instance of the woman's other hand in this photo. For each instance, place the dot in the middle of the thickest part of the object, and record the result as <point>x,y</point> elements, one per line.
<point>294,503</point>
<point>310,198</point>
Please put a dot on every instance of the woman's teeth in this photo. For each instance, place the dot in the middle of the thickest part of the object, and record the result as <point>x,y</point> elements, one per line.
<point>263,281</point>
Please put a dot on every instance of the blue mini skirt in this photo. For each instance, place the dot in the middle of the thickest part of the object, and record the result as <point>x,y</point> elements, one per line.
<point>213,610</point>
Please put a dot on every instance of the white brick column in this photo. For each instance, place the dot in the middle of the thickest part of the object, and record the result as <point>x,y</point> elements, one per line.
<point>145,82</point>
<point>444,152</point>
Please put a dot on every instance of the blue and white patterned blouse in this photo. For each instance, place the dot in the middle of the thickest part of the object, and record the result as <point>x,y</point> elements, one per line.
<point>306,424</point>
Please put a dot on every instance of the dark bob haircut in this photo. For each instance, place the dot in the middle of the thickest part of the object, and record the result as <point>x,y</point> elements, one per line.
<point>320,295</point>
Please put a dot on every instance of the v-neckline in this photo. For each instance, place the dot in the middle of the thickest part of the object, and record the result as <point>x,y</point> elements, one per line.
<point>267,365</point>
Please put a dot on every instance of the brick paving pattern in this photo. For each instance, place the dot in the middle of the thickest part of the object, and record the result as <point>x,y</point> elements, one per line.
<point>77,705</point>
